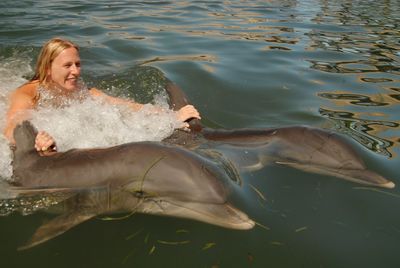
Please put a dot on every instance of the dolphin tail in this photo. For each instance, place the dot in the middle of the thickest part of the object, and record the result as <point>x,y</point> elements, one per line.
<point>363,176</point>
<point>56,227</point>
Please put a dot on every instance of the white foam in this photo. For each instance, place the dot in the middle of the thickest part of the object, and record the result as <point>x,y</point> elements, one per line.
<point>11,77</point>
<point>90,123</point>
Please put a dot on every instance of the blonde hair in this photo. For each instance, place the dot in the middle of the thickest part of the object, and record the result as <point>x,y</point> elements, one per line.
<point>49,52</point>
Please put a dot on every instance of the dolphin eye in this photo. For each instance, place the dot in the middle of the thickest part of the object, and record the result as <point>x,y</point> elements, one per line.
<point>139,194</point>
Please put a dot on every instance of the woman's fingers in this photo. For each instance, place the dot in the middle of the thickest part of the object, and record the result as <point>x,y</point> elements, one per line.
<point>187,112</point>
<point>44,142</point>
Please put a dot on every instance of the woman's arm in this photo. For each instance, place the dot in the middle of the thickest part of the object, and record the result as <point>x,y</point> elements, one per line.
<point>115,100</point>
<point>185,113</point>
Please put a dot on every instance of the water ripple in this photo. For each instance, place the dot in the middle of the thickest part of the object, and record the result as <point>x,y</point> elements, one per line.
<point>361,129</point>
<point>355,99</point>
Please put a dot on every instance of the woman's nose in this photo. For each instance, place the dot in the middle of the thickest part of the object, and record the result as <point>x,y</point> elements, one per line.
<point>75,69</point>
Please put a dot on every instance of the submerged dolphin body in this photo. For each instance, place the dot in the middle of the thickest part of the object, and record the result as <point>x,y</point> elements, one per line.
<point>306,148</point>
<point>144,177</point>
<point>105,200</point>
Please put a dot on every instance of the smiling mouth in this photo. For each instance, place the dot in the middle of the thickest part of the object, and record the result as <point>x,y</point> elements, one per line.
<point>72,79</point>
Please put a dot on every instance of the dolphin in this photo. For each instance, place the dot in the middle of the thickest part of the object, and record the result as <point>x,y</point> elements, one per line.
<point>143,177</point>
<point>305,148</point>
<point>301,147</point>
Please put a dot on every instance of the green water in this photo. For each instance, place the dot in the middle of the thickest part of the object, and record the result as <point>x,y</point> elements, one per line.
<point>331,64</point>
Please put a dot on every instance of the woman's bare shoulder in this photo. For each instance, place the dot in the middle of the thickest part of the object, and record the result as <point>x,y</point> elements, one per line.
<point>27,93</point>
<point>29,88</point>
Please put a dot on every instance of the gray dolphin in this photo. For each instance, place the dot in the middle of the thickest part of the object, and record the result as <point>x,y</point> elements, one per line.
<point>144,177</point>
<point>301,147</point>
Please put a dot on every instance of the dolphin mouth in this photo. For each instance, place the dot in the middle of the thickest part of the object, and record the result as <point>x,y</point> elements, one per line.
<point>361,176</point>
<point>223,215</point>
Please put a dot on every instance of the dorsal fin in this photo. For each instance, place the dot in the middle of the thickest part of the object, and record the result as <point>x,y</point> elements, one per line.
<point>178,99</point>
<point>24,136</point>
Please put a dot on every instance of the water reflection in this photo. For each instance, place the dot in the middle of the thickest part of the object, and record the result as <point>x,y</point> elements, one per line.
<point>355,99</point>
<point>366,35</point>
<point>361,66</point>
<point>360,129</point>
<point>395,96</point>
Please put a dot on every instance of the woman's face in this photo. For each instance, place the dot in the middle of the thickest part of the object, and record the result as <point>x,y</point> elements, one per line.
<point>66,69</point>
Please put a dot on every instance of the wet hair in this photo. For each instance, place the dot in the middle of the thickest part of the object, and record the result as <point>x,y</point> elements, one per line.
<point>49,52</point>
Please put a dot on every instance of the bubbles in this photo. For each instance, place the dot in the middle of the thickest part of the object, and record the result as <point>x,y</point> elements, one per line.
<point>29,204</point>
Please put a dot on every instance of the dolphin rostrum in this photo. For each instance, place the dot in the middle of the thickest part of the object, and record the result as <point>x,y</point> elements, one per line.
<point>144,177</point>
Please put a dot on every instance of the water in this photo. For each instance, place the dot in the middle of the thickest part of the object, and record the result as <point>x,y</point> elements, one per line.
<point>331,64</point>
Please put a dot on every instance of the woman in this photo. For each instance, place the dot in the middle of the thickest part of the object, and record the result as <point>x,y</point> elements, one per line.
<point>57,74</point>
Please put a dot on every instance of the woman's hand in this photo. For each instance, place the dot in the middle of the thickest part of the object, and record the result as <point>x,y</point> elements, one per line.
<point>187,112</point>
<point>44,142</point>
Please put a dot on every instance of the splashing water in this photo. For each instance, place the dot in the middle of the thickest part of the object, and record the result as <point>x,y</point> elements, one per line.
<point>83,124</point>
<point>11,76</point>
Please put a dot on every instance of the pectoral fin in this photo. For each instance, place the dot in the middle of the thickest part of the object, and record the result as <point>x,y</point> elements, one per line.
<point>56,227</point>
